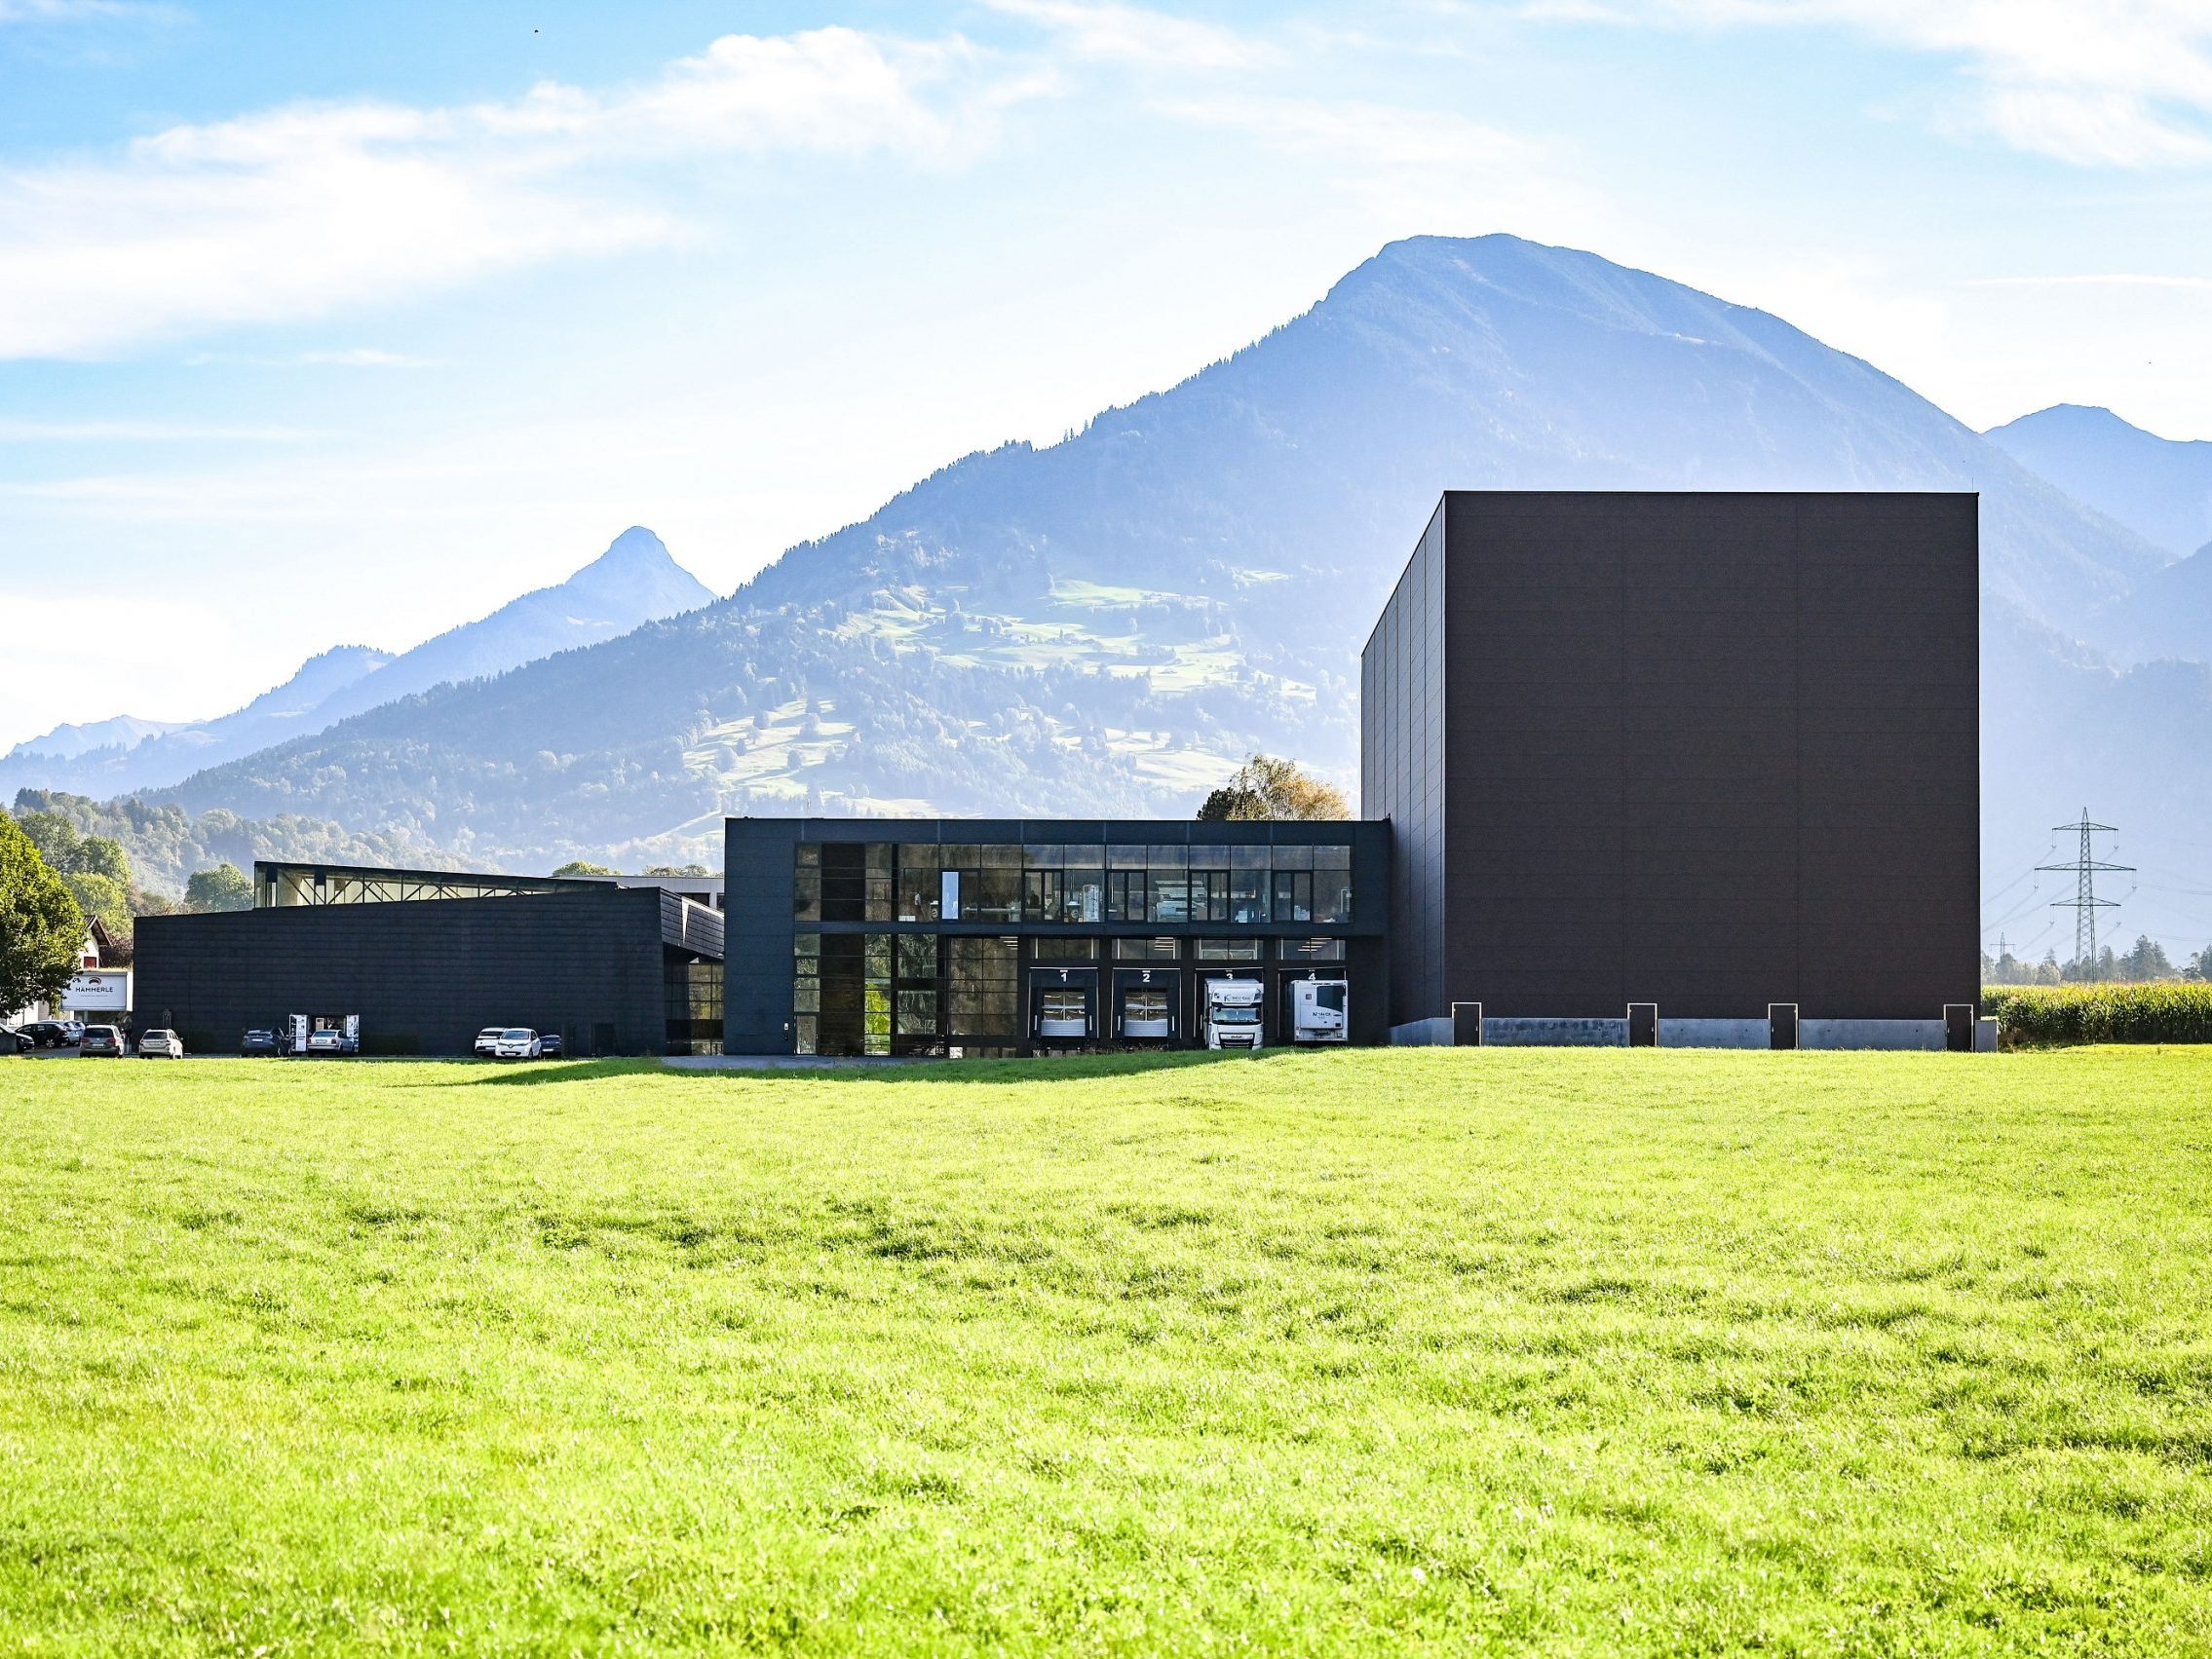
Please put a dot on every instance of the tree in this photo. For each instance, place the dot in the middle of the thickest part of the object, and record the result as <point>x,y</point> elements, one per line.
<point>54,835</point>
<point>678,870</point>
<point>580,867</point>
<point>1268,787</point>
<point>40,924</point>
<point>102,896</point>
<point>223,888</point>
<point>103,856</point>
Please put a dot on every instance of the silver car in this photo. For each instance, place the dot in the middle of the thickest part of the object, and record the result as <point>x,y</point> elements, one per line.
<point>161,1045</point>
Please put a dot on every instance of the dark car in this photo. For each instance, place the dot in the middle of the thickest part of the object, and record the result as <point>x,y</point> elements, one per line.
<point>549,1046</point>
<point>16,1041</point>
<point>48,1034</point>
<point>257,1042</point>
<point>102,1042</point>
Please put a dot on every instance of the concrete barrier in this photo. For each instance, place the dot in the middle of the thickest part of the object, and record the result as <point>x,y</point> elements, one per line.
<point>1714,1034</point>
<point>1528,1032</point>
<point>1904,1035</point>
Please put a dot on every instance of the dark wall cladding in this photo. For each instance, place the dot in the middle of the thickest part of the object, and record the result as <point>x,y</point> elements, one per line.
<point>1705,750</point>
<point>423,976</point>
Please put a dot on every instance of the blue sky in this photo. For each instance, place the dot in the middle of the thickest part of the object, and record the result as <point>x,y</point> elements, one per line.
<point>332,324</point>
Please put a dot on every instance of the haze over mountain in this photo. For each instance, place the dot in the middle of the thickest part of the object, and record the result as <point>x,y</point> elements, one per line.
<point>1104,624</point>
<point>2159,487</point>
<point>634,581</point>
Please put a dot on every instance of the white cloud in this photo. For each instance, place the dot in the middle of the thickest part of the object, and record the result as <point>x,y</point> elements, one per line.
<point>2123,83</point>
<point>299,210</point>
<point>1107,32</point>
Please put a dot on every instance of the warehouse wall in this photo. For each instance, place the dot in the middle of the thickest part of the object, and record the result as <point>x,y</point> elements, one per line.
<point>1706,751</point>
<point>424,976</point>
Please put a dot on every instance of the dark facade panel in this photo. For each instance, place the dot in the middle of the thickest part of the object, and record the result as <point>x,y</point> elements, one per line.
<point>424,976</point>
<point>1707,750</point>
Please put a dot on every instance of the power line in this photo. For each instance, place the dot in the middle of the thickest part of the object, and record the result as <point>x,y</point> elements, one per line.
<point>2085,903</point>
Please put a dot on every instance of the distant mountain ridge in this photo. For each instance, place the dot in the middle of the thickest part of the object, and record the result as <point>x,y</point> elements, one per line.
<point>2159,487</point>
<point>1103,626</point>
<point>634,580</point>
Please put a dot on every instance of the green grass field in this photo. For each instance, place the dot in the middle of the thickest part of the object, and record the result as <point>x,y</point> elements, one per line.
<point>1570,1351</point>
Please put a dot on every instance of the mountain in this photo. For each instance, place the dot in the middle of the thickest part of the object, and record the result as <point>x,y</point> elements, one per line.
<point>135,754</point>
<point>1103,626</point>
<point>633,581</point>
<point>67,742</point>
<point>2159,487</point>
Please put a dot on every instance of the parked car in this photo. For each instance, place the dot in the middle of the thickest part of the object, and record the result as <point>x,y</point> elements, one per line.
<point>16,1041</point>
<point>517,1042</point>
<point>549,1044</point>
<point>487,1039</point>
<point>259,1043</point>
<point>73,1032</point>
<point>326,1041</point>
<point>161,1045</point>
<point>102,1042</point>
<point>47,1033</point>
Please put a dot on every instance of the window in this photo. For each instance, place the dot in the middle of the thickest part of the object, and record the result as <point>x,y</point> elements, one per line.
<point>1063,950</point>
<point>918,886</point>
<point>841,992</point>
<point>1227,950</point>
<point>1170,898</point>
<point>1126,896</point>
<point>982,990</point>
<point>1042,894</point>
<point>1144,950</point>
<point>1332,884</point>
<point>1313,950</point>
<point>917,955</point>
<point>1294,895</point>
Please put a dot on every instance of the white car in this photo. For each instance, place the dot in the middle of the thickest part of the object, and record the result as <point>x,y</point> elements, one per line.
<point>161,1045</point>
<point>487,1041</point>
<point>326,1041</point>
<point>517,1042</point>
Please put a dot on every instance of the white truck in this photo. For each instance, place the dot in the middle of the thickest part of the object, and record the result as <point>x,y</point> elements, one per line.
<point>1318,1010</point>
<point>1233,1010</point>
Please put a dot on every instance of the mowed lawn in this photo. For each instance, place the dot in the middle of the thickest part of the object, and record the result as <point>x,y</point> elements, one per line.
<point>1570,1351</point>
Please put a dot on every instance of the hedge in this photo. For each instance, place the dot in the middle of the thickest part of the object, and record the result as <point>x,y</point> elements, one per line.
<point>2173,1012</point>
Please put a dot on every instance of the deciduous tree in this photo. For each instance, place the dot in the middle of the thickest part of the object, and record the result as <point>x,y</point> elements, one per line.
<point>40,924</point>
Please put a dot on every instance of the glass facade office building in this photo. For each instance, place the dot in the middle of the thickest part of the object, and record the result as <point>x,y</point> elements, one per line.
<point>953,936</point>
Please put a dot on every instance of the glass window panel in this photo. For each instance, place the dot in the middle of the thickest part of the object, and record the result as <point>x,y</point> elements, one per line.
<point>917,1013</point>
<point>1083,857</point>
<point>1170,898</point>
<point>1063,950</point>
<point>1294,858</point>
<point>1293,896</point>
<point>1332,895</point>
<point>810,853</point>
<point>879,899</point>
<point>1209,857</point>
<point>1167,857</point>
<point>878,958</point>
<point>1247,858</point>
<point>806,895</point>
<point>806,944</point>
<point>1336,857</point>
<point>806,995</point>
<point>1001,855</point>
<point>948,896</point>
<point>803,1033</point>
<point>879,857</point>
<point>917,955</point>
<point>1248,901</point>
<point>996,896</point>
<point>1124,857</point>
<point>1043,858</point>
<point>1144,950</point>
<point>919,857</point>
<point>1083,895</point>
<point>1313,950</point>
<point>962,855</point>
<point>1227,950</point>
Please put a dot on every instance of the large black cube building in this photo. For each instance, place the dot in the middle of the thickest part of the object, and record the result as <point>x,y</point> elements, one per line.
<point>1708,751</point>
<point>917,936</point>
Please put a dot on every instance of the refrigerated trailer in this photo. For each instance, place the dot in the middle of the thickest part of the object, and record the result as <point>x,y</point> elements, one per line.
<point>1318,1011</point>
